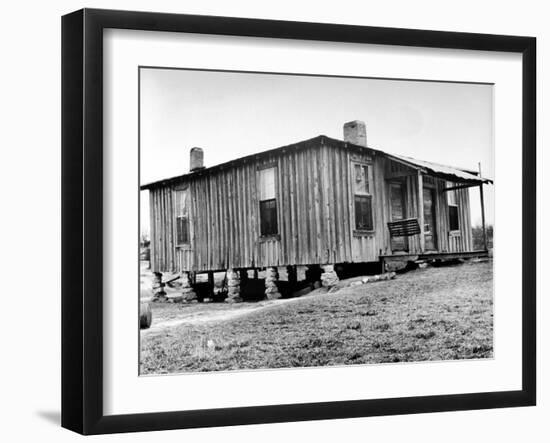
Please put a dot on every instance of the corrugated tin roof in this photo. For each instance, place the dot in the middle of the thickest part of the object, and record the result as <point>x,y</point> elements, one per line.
<point>448,172</point>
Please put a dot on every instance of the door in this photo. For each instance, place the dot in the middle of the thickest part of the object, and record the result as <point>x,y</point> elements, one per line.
<point>430,238</point>
<point>398,212</point>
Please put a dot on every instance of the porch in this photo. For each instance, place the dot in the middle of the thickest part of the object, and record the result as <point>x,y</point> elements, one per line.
<point>429,210</point>
<point>431,255</point>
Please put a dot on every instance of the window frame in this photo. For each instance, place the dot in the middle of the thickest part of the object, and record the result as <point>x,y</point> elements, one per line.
<point>368,193</point>
<point>260,169</point>
<point>403,190</point>
<point>178,216</point>
<point>456,205</point>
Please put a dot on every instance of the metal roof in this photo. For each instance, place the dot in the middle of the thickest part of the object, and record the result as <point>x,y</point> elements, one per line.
<point>443,171</point>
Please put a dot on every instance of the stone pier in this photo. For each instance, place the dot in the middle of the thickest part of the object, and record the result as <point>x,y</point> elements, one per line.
<point>271,290</point>
<point>187,292</point>
<point>233,287</point>
<point>329,278</point>
<point>158,287</point>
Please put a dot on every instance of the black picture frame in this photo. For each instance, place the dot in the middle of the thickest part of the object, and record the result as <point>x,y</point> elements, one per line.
<point>82,215</point>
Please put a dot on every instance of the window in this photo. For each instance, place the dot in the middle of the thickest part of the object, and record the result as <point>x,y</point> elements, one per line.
<point>268,202</point>
<point>452,202</point>
<point>363,212</point>
<point>362,179</point>
<point>182,216</point>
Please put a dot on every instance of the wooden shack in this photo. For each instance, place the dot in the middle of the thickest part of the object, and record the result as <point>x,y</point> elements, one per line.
<point>318,202</point>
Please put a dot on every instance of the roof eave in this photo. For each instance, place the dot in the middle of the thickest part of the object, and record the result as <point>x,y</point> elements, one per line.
<point>323,139</point>
<point>475,179</point>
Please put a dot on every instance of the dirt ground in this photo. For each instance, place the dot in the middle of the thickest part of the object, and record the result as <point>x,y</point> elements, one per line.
<point>440,313</point>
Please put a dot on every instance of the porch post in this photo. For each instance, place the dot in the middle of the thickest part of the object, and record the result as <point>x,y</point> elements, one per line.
<point>421,210</point>
<point>482,211</point>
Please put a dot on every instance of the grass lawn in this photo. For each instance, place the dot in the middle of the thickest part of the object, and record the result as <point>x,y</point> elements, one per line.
<point>428,314</point>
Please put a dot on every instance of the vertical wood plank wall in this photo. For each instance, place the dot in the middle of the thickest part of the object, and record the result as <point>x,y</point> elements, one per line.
<point>458,241</point>
<point>314,207</point>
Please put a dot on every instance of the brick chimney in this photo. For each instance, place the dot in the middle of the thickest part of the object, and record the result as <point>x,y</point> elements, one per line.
<point>355,132</point>
<point>196,160</point>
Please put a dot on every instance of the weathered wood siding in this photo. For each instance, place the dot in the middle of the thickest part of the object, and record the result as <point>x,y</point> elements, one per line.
<point>457,241</point>
<point>315,209</point>
<point>314,204</point>
<point>461,240</point>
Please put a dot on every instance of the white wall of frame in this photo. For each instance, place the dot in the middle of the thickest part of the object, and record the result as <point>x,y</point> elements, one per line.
<point>30,221</point>
<point>126,392</point>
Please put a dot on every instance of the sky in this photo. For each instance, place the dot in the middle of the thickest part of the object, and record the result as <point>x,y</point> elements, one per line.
<point>231,114</point>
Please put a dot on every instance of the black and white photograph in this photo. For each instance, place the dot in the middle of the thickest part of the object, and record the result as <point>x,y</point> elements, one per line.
<point>275,221</point>
<point>297,221</point>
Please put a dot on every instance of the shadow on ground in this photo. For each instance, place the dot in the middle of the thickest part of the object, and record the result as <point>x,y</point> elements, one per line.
<point>54,417</point>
